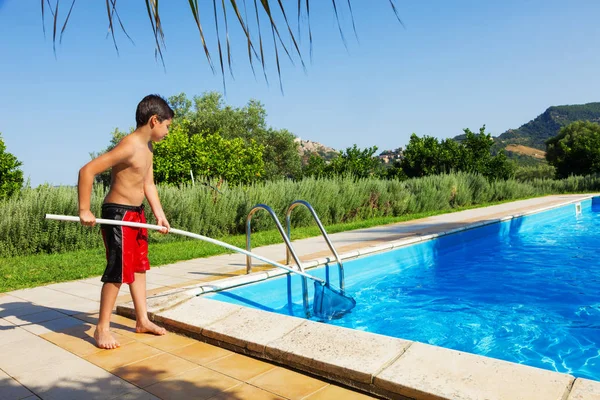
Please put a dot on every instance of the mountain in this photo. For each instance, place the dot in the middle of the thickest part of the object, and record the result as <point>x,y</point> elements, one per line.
<point>546,125</point>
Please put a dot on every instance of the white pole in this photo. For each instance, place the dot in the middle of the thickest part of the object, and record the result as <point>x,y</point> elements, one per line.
<point>188,234</point>
<point>192,174</point>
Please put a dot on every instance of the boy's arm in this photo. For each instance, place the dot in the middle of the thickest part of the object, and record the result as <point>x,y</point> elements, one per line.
<point>152,196</point>
<point>86,178</point>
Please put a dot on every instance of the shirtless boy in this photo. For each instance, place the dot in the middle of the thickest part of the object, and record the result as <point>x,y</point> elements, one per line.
<point>127,248</point>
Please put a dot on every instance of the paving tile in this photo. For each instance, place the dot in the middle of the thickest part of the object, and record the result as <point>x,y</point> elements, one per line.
<point>126,354</point>
<point>20,309</point>
<point>164,280</point>
<point>35,318</point>
<point>287,383</point>
<point>138,394</point>
<point>245,391</point>
<point>240,367</point>
<point>199,384</point>
<point>81,346</point>
<point>77,288</point>
<point>11,389</point>
<point>198,312</point>
<point>252,328</point>
<point>154,369</point>
<point>168,342</point>
<point>334,350</point>
<point>436,372</point>
<point>30,353</point>
<point>333,392</point>
<point>41,295</point>
<point>72,305</point>
<point>53,325</point>
<point>94,281</point>
<point>201,353</point>
<point>11,334</point>
<point>118,324</point>
<point>82,330</point>
<point>74,379</point>
<point>585,389</point>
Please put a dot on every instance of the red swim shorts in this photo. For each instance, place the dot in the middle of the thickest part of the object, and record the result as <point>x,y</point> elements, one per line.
<point>126,247</point>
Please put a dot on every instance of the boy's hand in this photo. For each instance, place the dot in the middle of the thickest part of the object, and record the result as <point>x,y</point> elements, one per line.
<point>165,223</point>
<point>87,218</point>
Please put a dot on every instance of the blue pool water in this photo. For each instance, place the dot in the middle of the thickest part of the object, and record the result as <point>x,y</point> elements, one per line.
<point>526,290</point>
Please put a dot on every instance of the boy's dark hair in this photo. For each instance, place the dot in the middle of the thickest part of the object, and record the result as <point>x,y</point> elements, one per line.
<point>151,105</point>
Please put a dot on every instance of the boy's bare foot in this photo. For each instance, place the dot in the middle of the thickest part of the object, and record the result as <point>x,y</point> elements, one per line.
<point>105,339</point>
<point>148,326</point>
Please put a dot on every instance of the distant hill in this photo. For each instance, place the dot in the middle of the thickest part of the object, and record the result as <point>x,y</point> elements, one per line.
<point>526,151</point>
<point>546,125</point>
<point>308,147</point>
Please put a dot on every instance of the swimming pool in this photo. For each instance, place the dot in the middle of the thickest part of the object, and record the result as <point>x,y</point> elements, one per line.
<point>526,290</point>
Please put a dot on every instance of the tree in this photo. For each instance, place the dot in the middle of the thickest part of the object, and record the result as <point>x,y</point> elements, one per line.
<point>360,163</point>
<point>353,161</point>
<point>421,156</point>
<point>575,150</point>
<point>273,14</point>
<point>281,156</point>
<point>210,156</point>
<point>11,176</point>
<point>208,114</point>
<point>427,156</point>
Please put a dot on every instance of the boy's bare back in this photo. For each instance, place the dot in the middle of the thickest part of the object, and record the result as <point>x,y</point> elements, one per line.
<point>129,175</point>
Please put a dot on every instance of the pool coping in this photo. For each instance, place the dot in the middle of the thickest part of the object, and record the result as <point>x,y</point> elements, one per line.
<point>377,364</point>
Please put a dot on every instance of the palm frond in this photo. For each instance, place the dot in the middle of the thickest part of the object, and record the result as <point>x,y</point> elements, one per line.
<point>337,18</point>
<point>227,37</point>
<point>219,43</point>
<point>114,13</point>
<point>263,9</point>
<point>309,29</point>
<point>291,34</point>
<point>262,54</point>
<point>159,36</point>
<point>196,14</point>
<point>352,18</point>
<point>396,12</point>
<point>62,31</point>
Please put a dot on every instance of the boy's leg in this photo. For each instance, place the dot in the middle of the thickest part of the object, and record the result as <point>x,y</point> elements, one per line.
<point>108,297</point>
<point>138,294</point>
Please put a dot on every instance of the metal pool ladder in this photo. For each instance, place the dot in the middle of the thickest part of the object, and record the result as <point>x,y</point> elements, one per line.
<point>289,248</point>
<point>321,228</point>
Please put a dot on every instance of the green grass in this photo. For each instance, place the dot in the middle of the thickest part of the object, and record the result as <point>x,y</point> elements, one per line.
<point>42,269</point>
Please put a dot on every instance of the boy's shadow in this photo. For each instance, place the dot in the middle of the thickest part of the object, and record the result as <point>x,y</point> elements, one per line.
<point>54,319</point>
<point>20,314</point>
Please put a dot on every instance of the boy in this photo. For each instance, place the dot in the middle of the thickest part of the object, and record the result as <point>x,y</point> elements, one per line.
<point>131,180</point>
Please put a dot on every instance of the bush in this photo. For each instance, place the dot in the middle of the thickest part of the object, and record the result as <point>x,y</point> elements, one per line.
<point>204,210</point>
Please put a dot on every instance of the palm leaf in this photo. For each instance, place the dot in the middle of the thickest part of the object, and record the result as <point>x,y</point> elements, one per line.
<point>196,13</point>
<point>219,43</point>
<point>261,7</point>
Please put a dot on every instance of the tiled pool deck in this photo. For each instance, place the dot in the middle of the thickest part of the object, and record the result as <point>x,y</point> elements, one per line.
<point>46,349</point>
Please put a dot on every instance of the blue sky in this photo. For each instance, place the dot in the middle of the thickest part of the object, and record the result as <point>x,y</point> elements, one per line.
<point>455,65</point>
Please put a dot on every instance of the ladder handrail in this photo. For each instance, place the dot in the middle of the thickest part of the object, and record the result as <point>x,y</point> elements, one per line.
<point>287,243</point>
<point>323,232</point>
